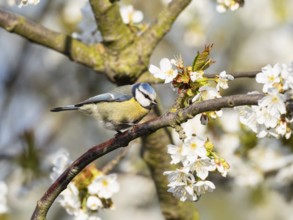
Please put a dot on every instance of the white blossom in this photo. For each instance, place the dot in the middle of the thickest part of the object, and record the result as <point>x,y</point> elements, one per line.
<point>21,3</point>
<point>287,75</point>
<point>179,177</point>
<point>274,102</point>
<point>181,184</point>
<point>285,176</point>
<point>261,120</point>
<point>246,175</point>
<point>223,80</point>
<point>265,117</point>
<point>70,199</point>
<point>176,153</point>
<point>84,215</point>
<point>202,167</point>
<point>184,192</point>
<point>269,76</point>
<point>195,162</point>
<point>166,2</point>
<point>223,170</point>
<point>104,186</point>
<point>206,93</point>
<point>93,203</point>
<point>283,129</point>
<point>194,148</point>
<point>224,5</point>
<point>201,187</point>
<point>247,116</point>
<point>165,71</point>
<point>60,161</point>
<point>269,155</point>
<point>216,114</point>
<point>129,15</point>
<point>3,197</point>
<point>194,76</point>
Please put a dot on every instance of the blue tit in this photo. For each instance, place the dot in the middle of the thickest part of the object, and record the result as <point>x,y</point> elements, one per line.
<point>120,108</point>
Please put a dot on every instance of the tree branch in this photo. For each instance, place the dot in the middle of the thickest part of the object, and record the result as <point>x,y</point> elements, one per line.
<point>153,35</point>
<point>248,74</point>
<point>123,139</point>
<point>148,77</point>
<point>115,33</point>
<point>73,49</point>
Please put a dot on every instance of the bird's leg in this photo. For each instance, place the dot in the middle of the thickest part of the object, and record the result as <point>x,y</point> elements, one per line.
<point>118,132</point>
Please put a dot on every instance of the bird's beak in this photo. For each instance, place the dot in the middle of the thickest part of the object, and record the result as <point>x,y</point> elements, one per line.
<point>154,102</point>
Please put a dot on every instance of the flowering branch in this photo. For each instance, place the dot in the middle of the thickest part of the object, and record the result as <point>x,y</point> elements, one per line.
<point>123,139</point>
<point>148,77</point>
<point>154,154</point>
<point>116,34</point>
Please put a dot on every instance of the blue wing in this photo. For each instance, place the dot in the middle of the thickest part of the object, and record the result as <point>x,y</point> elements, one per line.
<point>119,94</point>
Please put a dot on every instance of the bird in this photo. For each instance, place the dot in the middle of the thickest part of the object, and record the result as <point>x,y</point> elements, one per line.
<point>120,108</point>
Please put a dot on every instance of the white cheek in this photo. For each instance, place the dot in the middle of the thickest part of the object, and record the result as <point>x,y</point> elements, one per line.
<point>142,100</point>
<point>145,102</point>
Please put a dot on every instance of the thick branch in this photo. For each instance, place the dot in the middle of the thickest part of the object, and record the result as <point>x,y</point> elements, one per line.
<point>123,139</point>
<point>153,35</point>
<point>74,49</point>
<point>116,35</point>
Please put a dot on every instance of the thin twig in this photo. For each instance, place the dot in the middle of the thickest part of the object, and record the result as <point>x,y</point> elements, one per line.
<point>113,163</point>
<point>148,77</point>
<point>247,74</point>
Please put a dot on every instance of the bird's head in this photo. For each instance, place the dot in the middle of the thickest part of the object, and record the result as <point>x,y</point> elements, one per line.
<point>144,94</point>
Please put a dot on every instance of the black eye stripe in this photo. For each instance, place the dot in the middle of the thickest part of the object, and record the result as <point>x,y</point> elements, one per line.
<point>145,95</point>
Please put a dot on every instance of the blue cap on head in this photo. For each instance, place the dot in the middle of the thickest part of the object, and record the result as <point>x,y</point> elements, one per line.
<point>146,89</point>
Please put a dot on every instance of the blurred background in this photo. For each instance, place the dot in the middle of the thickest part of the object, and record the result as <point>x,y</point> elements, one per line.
<point>34,79</point>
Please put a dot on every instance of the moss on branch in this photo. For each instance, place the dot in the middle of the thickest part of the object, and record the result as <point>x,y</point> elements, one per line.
<point>74,49</point>
<point>116,35</point>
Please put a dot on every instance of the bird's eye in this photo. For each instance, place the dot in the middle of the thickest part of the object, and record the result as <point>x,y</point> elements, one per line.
<point>145,95</point>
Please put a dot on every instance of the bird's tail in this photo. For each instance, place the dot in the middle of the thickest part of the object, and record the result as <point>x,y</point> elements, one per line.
<point>64,108</point>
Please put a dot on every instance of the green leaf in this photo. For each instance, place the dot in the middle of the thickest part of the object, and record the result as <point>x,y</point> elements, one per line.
<point>202,60</point>
<point>190,93</point>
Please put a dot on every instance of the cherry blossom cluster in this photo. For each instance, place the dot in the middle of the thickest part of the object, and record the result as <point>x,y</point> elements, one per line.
<point>271,117</point>
<point>224,5</point>
<point>89,192</point>
<point>130,15</point>
<point>191,82</point>
<point>21,3</point>
<point>195,158</point>
<point>3,198</point>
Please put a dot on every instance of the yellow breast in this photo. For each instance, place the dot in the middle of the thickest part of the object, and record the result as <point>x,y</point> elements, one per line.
<point>117,113</point>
